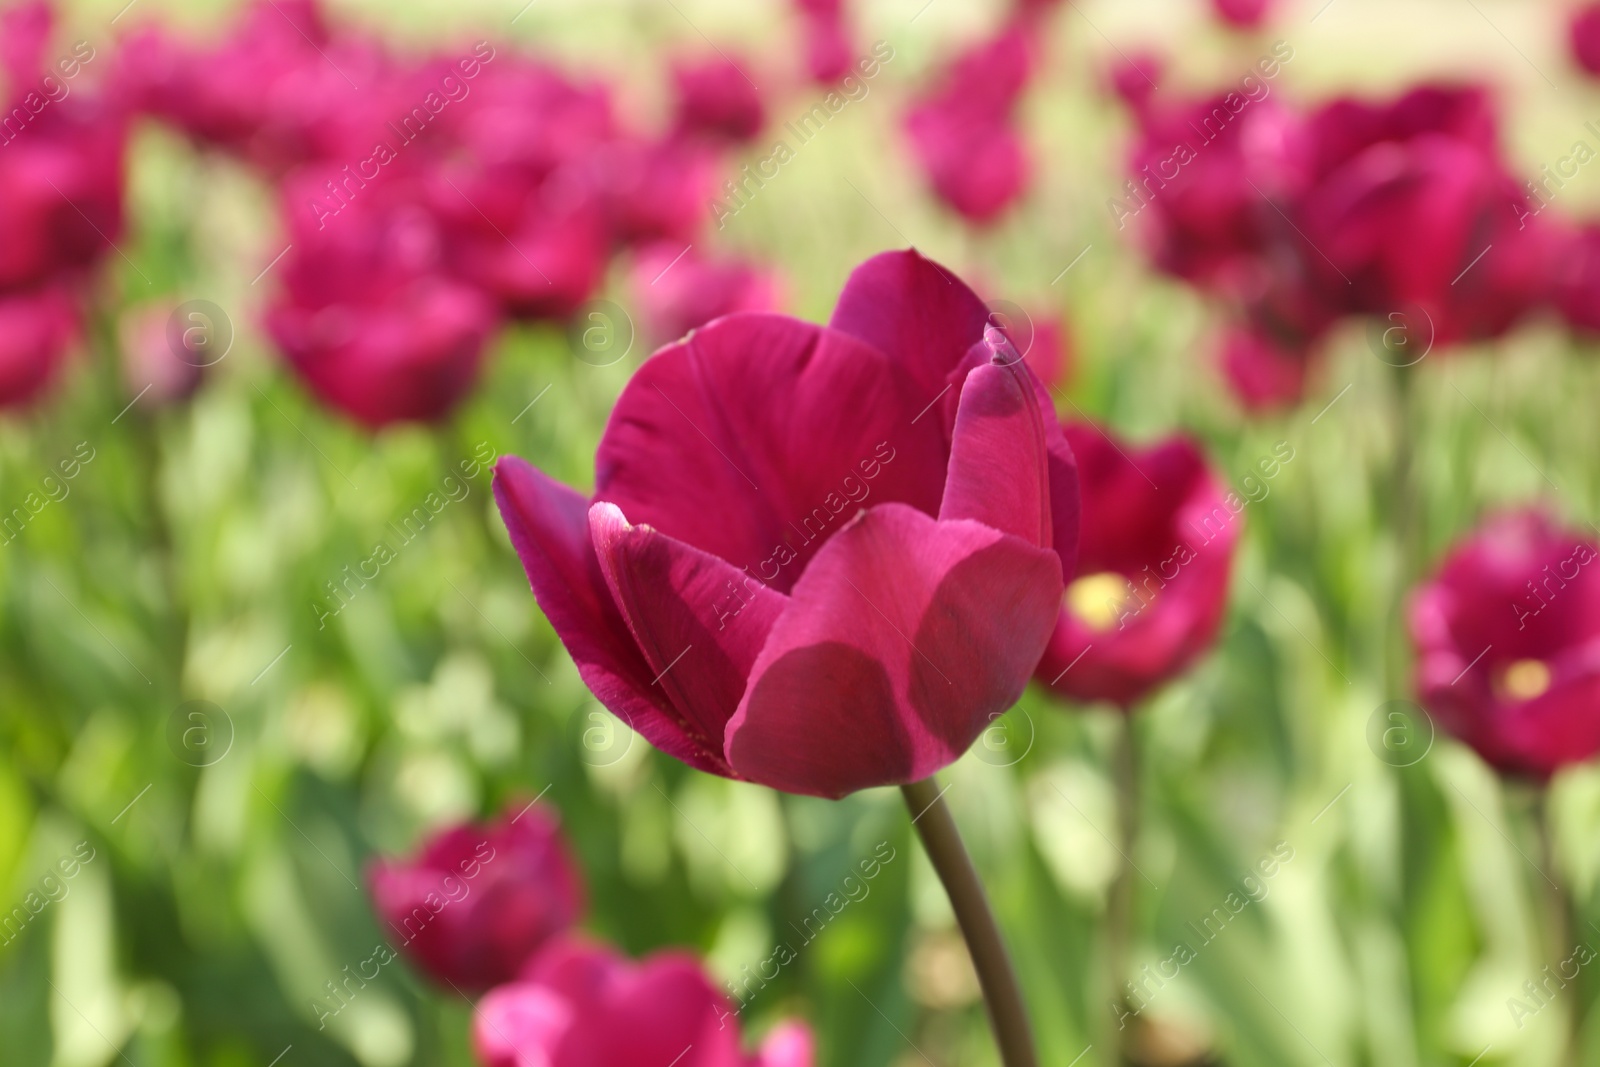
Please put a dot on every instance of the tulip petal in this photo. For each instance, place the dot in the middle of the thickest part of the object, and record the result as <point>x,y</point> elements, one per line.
<point>549,527</point>
<point>999,469</point>
<point>902,640</point>
<point>920,315</point>
<point>997,347</point>
<point>699,620</point>
<point>785,424</point>
<point>656,1015</point>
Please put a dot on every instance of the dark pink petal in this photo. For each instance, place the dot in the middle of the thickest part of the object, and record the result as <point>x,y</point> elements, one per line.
<point>666,1012</point>
<point>999,469</point>
<point>519,1024</point>
<point>787,426</point>
<point>903,638</point>
<point>1159,521</point>
<point>699,621</point>
<point>789,1045</point>
<point>997,347</point>
<point>919,314</point>
<point>549,527</point>
<point>480,899</point>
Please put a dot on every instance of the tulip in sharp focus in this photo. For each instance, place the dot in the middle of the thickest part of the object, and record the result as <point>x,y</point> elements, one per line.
<point>582,1005</point>
<point>480,900</point>
<point>1507,635</point>
<point>1157,546</point>
<point>818,558</point>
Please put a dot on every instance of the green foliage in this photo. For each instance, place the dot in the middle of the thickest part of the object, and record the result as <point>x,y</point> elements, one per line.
<point>188,560</point>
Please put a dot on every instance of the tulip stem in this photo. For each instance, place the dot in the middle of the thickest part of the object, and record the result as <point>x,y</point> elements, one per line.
<point>1406,509</point>
<point>1002,994</point>
<point>1562,921</point>
<point>1120,907</point>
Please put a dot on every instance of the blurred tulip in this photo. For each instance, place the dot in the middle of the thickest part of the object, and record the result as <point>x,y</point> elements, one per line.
<point>1410,204</point>
<point>1577,278</point>
<point>279,90</point>
<point>657,190</point>
<point>711,592</point>
<point>480,901</point>
<point>152,369</point>
<point>1264,374</point>
<point>1135,77</point>
<point>1242,14</point>
<point>1507,635</point>
<point>828,50</point>
<point>61,183</point>
<point>1584,35</point>
<point>368,313</point>
<point>36,328</point>
<point>1051,353</point>
<point>963,129</point>
<point>1159,532</point>
<point>717,99</point>
<point>581,1005</point>
<point>678,291</point>
<point>1203,172</point>
<point>25,30</point>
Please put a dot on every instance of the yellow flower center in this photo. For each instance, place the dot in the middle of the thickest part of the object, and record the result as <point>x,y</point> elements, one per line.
<point>1524,680</point>
<point>1097,599</point>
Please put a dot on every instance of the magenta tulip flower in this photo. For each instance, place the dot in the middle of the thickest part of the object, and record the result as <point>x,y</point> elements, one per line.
<point>1135,77</point>
<point>1242,14</point>
<point>369,313</point>
<point>153,367</point>
<point>582,1005</point>
<point>1584,36</point>
<point>717,99</point>
<point>818,558</point>
<point>828,51</point>
<point>1159,533</point>
<point>1507,635</point>
<point>963,128</point>
<point>1577,277</point>
<point>1263,372</point>
<point>480,901</point>
<point>37,327</point>
<point>677,291</point>
<point>1410,205</point>
<point>61,162</point>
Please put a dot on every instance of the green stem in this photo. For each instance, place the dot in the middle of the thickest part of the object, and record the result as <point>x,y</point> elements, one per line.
<point>1405,509</point>
<point>1561,920</point>
<point>1120,908</point>
<point>1002,994</point>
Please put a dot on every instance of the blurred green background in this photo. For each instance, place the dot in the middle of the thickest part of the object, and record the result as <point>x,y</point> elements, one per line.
<point>183,563</point>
